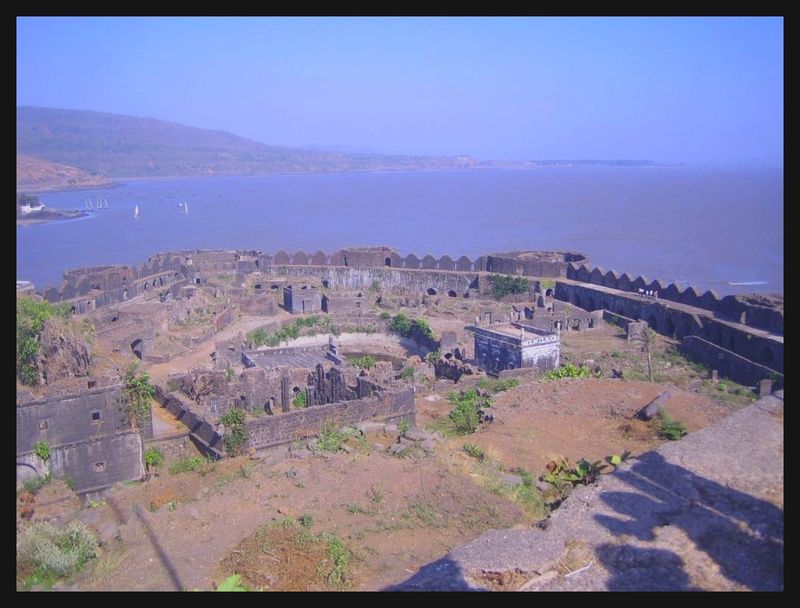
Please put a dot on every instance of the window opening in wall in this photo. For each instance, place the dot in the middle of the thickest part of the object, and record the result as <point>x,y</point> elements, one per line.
<point>92,383</point>
<point>95,415</point>
<point>99,467</point>
<point>43,425</point>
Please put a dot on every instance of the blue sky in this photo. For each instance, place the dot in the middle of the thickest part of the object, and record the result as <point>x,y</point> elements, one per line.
<point>695,90</point>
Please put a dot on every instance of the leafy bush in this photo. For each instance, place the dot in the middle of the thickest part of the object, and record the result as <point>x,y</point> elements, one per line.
<point>407,373</point>
<point>153,457</point>
<point>31,317</point>
<point>34,484</point>
<point>50,551</point>
<point>306,520</point>
<point>137,395</point>
<point>365,362</point>
<point>42,450</point>
<point>401,325</point>
<point>330,439</point>
<point>235,431</point>
<point>300,400</point>
<point>567,371</point>
<point>503,285</point>
<point>403,426</point>
<point>669,428</point>
<point>232,583</point>
<point>475,451</point>
<point>384,316</point>
<point>433,356</point>
<point>186,465</point>
<point>464,416</point>
<point>339,557</point>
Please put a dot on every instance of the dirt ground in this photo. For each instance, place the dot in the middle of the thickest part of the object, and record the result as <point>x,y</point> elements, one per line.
<point>392,515</point>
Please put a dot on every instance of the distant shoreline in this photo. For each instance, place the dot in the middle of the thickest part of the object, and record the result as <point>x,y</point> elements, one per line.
<point>59,217</point>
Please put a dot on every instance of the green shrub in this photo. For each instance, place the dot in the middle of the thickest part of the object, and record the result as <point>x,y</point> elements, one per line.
<point>330,439</point>
<point>567,371</point>
<point>339,557</point>
<point>53,551</point>
<point>407,373</point>
<point>401,325</point>
<point>306,520</point>
<point>365,362</point>
<point>300,400</point>
<point>464,416</point>
<point>232,583</point>
<point>34,484</point>
<point>433,356</point>
<point>153,457</point>
<point>42,450</point>
<point>497,386</point>
<point>235,431</point>
<point>403,426</point>
<point>137,395</point>
<point>186,465</point>
<point>668,428</point>
<point>475,451</point>
<point>31,317</point>
<point>385,316</point>
<point>503,285</point>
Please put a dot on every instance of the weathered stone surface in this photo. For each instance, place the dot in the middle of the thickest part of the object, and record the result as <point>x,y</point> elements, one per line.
<point>417,435</point>
<point>703,513</point>
<point>652,409</point>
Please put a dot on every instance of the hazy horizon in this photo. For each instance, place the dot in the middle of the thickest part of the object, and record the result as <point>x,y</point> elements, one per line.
<point>686,90</point>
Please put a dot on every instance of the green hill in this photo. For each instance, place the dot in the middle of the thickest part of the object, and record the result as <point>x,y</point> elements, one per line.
<point>127,146</point>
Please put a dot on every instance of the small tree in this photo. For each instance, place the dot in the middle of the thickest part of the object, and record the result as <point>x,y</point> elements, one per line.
<point>646,340</point>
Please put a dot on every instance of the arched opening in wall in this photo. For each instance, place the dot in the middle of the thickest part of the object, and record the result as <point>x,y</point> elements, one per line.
<point>147,286</point>
<point>137,346</point>
<point>387,262</point>
<point>743,317</point>
<point>124,294</point>
<point>669,326</point>
<point>304,287</point>
<point>548,292</point>
<point>72,310</point>
<point>296,391</point>
<point>466,294</point>
<point>452,294</point>
<point>326,284</point>
<point>731,343</point>
<point>96,286</point>
<point>273,286</point>
<point>652,322</point>
<point>257,286</point>
<point>766,356</point>
<point>431,291</point>
<point>161,281</point>
<point>155,282</point>
<point>360,295</point>
<point>269,406</point>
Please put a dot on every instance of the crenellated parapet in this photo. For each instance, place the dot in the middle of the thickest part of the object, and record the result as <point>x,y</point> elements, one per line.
<point>764,314</point>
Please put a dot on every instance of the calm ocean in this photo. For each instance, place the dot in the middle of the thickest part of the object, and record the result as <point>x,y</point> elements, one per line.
<point>709,227</point>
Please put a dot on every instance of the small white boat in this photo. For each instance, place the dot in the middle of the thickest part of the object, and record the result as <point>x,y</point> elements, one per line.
<point>136,211</point>
<point>186,208</point>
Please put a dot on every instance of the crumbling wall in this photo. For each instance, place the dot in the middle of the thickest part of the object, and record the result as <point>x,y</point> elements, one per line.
<point>729,364</point>
<point>280,430</point>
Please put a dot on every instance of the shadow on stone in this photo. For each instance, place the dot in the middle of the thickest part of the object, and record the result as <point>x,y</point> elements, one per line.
<point>741,533</point>
<point>442,575</point>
